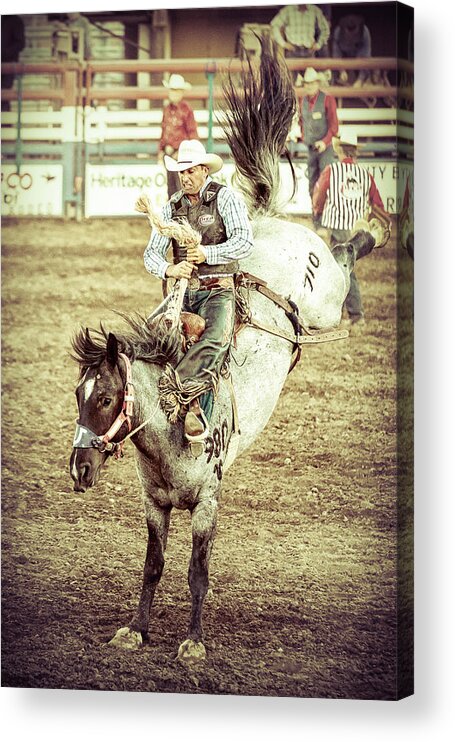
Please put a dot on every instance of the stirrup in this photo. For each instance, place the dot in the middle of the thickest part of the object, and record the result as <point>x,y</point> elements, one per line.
<point>197,441</point>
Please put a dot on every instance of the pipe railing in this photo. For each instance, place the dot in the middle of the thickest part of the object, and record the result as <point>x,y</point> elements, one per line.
<point>76,81</point>
<point>72,92</point>
<point>198,92</point>
<point>236,64</point>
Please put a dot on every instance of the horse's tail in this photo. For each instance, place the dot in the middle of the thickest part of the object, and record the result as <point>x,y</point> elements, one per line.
<point>260,108</point>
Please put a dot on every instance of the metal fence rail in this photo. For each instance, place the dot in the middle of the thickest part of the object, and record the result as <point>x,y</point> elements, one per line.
<point>80,126</point>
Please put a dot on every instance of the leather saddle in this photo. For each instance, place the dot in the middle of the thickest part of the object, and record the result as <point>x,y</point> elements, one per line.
<point>192,326</point>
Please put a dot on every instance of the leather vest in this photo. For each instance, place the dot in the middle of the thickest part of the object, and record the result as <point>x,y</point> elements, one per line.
<point>315,123</point>
<point>205,218</point>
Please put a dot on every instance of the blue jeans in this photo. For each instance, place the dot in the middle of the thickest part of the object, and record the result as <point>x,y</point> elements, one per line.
<point>207,355</point>
<point>317,162</point>
<point>353,301</point>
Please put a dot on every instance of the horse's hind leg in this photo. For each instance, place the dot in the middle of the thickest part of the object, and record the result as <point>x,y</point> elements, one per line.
<point>204,528</point>
<point>130,637</point>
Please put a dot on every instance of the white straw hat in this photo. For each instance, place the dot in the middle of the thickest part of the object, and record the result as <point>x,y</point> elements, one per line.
<point>191,153</point>
<point>177,82</point>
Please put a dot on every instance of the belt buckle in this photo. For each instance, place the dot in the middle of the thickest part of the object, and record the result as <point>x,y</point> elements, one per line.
<point>194,283</point>
<point>227,282</point>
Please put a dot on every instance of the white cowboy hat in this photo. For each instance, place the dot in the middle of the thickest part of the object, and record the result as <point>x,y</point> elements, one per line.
<point>346,137</point>
<point>177,82</point>
<point>191,153</point>
<point>311,75</point>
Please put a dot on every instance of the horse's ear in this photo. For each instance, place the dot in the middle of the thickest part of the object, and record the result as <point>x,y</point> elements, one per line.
<point>112,350</point>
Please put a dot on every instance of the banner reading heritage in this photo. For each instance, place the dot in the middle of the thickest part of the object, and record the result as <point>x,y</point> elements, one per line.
<point>112,190</point>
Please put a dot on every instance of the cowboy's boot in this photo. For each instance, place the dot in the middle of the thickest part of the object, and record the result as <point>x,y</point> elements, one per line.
<point>196,428</point>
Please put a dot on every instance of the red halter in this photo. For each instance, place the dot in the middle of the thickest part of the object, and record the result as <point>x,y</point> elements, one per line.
<point>125,413</point>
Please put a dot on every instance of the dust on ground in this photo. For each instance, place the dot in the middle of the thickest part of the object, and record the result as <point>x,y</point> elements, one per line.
<point>303,573</point>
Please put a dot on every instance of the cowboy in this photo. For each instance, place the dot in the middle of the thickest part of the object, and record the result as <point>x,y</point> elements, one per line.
<point>343,196</point>
<point>319,124</point>
<point>178,124</point>
<point>220,216</point>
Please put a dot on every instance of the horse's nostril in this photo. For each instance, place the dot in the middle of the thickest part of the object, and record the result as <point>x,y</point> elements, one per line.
<point>82,480</point>
<point>82,475</point>
<point>85,473</point>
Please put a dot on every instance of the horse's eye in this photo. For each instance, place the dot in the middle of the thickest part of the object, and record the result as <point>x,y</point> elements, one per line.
<point>106,401</point>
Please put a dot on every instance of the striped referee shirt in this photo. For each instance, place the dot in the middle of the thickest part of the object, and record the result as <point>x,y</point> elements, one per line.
<point>343,194</point>
<point>238,245</point>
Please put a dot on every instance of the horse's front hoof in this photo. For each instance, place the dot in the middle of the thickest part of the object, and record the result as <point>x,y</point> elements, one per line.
<point>126,638</point>
<point>191,653</point>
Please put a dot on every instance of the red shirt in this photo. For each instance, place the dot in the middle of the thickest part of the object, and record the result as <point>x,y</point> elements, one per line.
<point>322,186</point>
<point>178,124</point>
<point>330,106</point>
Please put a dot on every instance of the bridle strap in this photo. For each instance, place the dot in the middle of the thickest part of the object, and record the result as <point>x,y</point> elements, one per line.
<point>86,438</point>
<point>126,412</point>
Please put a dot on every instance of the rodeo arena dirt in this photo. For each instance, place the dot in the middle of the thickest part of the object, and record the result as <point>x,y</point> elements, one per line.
<point>302,596</point>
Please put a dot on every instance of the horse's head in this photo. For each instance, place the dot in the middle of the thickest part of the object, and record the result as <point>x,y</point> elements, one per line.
<point>100,398</point>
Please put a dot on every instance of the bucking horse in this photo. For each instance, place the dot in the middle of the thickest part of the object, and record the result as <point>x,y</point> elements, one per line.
<point>291,291</point>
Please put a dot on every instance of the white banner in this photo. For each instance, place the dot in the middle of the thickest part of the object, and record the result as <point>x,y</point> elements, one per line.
<point>37,190</point>
<point>112,190</point>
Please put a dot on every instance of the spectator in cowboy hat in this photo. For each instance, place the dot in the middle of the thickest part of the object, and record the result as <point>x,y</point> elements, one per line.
<point>343,195</point>
<point>318,125</point>
<point>178,124</point>
<point>221,218</point>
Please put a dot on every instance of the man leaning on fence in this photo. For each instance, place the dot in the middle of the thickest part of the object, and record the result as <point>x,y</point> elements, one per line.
<point>352,39</point>
<point>319,124</point>
<point>178,124</point>
<point>300,30</point>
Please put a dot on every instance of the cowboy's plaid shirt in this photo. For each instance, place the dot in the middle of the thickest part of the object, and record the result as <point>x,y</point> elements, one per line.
<point>300,26</point>
<point>238,245</point>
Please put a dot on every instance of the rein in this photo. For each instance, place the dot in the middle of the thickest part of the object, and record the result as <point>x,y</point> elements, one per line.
<point>86,438</point>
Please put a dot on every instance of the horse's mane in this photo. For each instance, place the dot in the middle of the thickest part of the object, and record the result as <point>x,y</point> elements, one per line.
<point>145,342</point>
<point>259,110</point>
